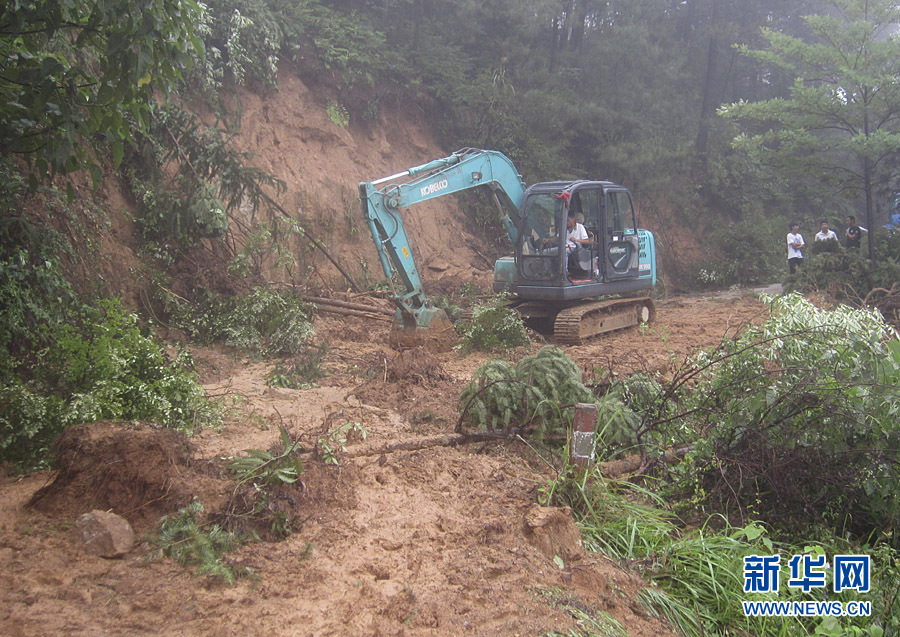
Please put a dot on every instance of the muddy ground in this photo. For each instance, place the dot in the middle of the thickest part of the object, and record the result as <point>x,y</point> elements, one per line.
<point>432,541</point>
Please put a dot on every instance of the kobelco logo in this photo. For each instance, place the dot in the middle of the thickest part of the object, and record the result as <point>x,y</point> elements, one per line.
<point>433,188</point>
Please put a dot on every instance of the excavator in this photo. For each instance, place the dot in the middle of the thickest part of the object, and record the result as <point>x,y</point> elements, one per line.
<point>556,285</point>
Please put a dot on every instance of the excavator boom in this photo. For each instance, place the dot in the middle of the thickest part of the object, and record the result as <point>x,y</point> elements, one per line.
<point>383,198</point>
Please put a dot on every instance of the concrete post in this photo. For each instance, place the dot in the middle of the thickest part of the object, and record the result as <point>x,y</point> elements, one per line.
<point>583,427</point>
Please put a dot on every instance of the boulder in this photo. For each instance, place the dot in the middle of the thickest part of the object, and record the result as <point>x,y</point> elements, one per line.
<point>105,534</point>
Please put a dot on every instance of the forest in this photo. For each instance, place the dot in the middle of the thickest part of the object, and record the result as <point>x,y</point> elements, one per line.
<point>728,121</point>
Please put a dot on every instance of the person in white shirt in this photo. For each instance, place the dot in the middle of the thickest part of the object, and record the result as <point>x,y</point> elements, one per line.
<point>825,234</point>
<point>795,245</point>
<point>575,234</point>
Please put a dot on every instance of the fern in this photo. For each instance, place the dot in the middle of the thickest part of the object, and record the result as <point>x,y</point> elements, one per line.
<point>187,542</point>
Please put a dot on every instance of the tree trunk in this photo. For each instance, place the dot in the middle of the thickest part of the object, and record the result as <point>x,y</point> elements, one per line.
<point>707,108</point>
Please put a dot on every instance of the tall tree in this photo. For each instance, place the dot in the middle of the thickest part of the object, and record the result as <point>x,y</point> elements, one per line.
<point>840,123</point>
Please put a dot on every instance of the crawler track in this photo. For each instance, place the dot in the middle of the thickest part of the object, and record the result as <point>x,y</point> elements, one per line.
<point>575,324</point>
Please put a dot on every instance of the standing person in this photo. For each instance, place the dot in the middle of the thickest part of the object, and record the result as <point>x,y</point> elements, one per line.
<point>825,234</point>
<point>795,245</point>
<point>851,235</point>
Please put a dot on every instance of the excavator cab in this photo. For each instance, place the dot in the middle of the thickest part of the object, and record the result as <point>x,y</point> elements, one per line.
<point>548,269</point>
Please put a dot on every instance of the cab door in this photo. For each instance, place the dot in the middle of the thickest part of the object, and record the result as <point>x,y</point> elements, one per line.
<point>622,247</point>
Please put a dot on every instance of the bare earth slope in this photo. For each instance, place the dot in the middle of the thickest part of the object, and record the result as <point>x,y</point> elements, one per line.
<point>291,136</point>
<point>435,541</point>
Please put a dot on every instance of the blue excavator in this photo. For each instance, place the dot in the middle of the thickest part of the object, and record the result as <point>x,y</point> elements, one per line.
<point>570,290</point>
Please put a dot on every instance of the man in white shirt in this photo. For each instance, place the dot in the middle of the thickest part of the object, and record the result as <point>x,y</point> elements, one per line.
<point>795,245</point>
<point>825,234</point>
<point>575,234</point>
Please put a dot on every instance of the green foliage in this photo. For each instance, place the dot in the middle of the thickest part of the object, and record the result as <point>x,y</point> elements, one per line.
<point>77,77</point>
<point>190,543</point>
<point>697,574</point>
<point>839,123</point>
<point>243,40</point>
<point>346,43</point>
<point>112,371</point>
<point>29,423</point>
<point>495,396</point>
<point>336,440</point>
<point>268,243</point>
<point>210,180</point>
<point>494,327</point>
<point>267,321</point>
<point>98,367</point>
<point>35,296</point>
<point>845,274</point>
<point>797,419</point>
<point>338,114</point>
<point>749,252</point>
<point>539,391</point>
<point>65,362</point>
<point>165,216</point>
<point>265,468</point>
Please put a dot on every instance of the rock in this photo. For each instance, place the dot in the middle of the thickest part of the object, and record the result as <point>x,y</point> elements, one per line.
<point>438,265</point>
<point>105,534</point>
<point>553,532</point>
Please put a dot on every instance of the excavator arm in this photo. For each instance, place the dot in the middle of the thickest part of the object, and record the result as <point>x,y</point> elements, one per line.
<point>383,198</point>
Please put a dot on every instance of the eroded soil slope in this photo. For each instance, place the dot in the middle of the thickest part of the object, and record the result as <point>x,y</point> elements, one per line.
<point>434,540</point>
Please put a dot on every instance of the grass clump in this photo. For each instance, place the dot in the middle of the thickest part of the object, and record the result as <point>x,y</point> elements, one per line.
<point>697,572</point>
<point>591,622</point>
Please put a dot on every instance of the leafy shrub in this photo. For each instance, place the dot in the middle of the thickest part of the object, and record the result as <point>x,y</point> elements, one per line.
<point>34,300</point>
<point>494,327</point>
<point>98,367</point>
<point>266,321</point>
<point>29,422</point>
<point>541,391</point>
<point>848,275</point>
<point>115,372</point>
<point>798,420</point>
<point>35,296</point>
<point>760,258</point>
